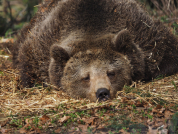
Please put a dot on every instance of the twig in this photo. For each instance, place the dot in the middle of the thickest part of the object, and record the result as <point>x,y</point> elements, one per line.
<point>10,72</point>
<point>146,24</point>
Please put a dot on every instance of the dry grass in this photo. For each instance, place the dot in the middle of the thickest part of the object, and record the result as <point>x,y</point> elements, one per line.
<point>167,7</point>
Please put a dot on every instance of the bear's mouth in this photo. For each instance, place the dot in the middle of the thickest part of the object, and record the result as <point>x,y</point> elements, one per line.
<point>102,94</point>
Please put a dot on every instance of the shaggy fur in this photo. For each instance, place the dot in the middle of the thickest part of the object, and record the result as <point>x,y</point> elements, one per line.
<point>63,31</point>
<point>44,8</point>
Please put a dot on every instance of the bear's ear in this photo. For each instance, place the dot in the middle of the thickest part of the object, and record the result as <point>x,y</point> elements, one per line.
<point>59,54</point>
<point>123,41</point>
<point>124,44</point>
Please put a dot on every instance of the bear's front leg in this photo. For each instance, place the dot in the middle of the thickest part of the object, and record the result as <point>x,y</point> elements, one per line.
<point>27,77</point>
<point>26,66</point>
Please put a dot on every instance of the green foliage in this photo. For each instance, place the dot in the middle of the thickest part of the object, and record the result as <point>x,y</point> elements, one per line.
<point>19,25</point>
<point>175,25</point>
<point>174,85</point>
<point>149,116</point>
<point>118,123</point>
<point>35,9</point>
<point>101,112</point>
<point>164,19</point>
<point>1,73</point>
<point>35,121</point>
<point>16,15</point>
<point>123,122</point>
<point>159,77</point>
<point>175,28</point>
<point>17,122</point>
<point>8,33</point>
<point>173,128</point>
<point>138,128</point>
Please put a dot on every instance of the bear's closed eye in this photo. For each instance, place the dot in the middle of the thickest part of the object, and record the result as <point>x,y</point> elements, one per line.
<point>111,74</point>
<point>87,78</point>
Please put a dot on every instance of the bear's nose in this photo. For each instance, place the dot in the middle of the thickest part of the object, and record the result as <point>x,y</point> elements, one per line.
<point>102,94</point>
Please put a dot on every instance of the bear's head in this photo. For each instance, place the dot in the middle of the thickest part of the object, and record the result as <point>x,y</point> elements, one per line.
<point>97,73</point>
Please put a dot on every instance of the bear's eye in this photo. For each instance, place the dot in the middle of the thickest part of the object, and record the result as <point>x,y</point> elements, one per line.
<point>111,74</point>
<point>86,78</point>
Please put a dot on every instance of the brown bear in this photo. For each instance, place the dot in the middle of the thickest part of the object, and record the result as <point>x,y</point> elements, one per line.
<point>92,48</point>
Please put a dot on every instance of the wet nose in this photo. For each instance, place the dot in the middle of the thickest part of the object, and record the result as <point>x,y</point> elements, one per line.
<point>102,94</point>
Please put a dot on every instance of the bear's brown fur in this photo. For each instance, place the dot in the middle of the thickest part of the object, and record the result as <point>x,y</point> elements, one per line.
<point>44,8</point>
<point>91,48</point>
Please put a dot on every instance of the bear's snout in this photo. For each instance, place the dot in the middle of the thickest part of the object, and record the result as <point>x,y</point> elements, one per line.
<point>102,94</point>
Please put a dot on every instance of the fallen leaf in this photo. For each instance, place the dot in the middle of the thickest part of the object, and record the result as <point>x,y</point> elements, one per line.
<point>139,103</point>
<point>64,119</point>
<point>167,114</point>
<point>83,127</point>
<point>158,106</point>
<point>37,130</point>
<point>89,120</point>
<point>172,105</point>
<point>84,107</point>
<point>3,131</point>
<point>22,131</point>
<point>130,107</point>
<point>58,130</point>
<point>3,120</point>
<point>154,110</point>
<point>44,118</point>
<point>124,100</point>
<point>100,126</point>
